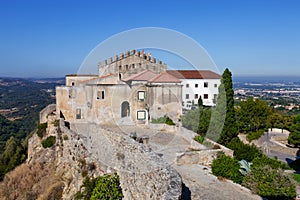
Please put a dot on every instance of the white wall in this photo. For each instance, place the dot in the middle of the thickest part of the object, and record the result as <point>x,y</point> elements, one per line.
<point>192,90</point>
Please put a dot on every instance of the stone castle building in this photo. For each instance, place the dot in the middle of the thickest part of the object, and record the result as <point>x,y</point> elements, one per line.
<point>132,88</point>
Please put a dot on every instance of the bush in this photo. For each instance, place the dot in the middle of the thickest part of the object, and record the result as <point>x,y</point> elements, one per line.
<point>244,151</point>
<point>263,160</point>
<point>66,137</point>
<point>254,135</point>
<point>270,183</point>
<point>49,141</point>
<point>41,129</point>
<point>199,139</point>
<point>227,167</point>
<point>107,187</point>
<point>102,187</point>
<point>163,120</point>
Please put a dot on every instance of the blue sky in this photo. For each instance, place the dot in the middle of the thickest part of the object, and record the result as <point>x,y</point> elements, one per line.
<point>52,38</point>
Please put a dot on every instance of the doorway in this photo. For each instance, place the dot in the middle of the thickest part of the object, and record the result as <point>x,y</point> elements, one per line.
<point>125,109</point>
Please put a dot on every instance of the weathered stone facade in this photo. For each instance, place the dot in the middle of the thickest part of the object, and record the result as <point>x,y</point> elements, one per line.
<point>117,96</point>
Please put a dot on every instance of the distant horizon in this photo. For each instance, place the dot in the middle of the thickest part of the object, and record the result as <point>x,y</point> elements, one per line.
<point>234,77</point>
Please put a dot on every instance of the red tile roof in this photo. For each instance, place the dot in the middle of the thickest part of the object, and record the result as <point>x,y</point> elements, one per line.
<point>164,77</point>
<point>194,74</point>
<point>142,76</point>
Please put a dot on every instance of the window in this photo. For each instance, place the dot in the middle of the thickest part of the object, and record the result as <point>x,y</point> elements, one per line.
<point>196,85</point>
<point>216,85</point>
<point>73,83</point>
<point>196,96</point>
<point>72,93</point>
<point>141,95</point>
<point>141,115</point>
<point>187,85</point>
<point>205,84</point>
<point>187,96</point>
<point>78,113</point>
<point>205,96</point>
<point>101,94</point>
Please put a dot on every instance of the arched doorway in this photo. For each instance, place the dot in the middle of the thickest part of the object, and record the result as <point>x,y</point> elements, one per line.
<point>125,109</point>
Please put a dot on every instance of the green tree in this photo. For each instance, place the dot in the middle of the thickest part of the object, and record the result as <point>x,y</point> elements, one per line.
<point>253,115</point>
<point>223,122</point>
<point>294,137</point>
<point>200,102</point>
<point>204,120</point>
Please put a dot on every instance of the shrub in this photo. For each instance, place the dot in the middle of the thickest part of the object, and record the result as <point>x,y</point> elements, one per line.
<point>49,141</point>
<point>254,135</point>
<point>86,189</point>
<point>199,139</point>
<point>41,129</point>
<point>227,167</point>
<point>66,137</point>
<point>56,123</point>
<point>244,151</point>
<point>163,120</point>
<point>263,160</point>
<point>102,187</point>
<point>270,183</point>
<point>107,187</point>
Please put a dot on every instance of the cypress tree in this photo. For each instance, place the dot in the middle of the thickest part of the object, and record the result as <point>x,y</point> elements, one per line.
<point>223,125</point>
<point>230,127</point>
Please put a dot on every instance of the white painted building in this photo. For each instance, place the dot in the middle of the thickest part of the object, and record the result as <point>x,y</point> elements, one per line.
<point>196,83</point>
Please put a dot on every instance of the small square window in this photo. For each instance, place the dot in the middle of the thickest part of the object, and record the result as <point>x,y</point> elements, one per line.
<point>141,95</point>
<point>141,115</point>
<point>196,85</point>
<point>101,94</point>
<point>205,96</point>
<point>187,96</point>
<point>78,113</point>
<point>205,84</point>
<point>187,85</point>
<point>216,85</point>
<point>196,96</point>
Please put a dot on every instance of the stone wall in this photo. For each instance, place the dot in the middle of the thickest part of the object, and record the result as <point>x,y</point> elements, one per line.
<point>46,111</point>
<point>202,157</point>
<point>143,174</point>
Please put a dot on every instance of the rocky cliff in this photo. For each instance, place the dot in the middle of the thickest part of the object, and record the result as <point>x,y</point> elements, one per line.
<point>57,172</point>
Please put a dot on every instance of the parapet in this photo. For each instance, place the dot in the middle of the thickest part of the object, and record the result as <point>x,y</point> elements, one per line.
<point>121,56</point>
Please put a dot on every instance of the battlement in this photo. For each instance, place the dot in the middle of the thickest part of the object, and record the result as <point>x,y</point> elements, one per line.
<point>145,56</point>
<point>129,63</point>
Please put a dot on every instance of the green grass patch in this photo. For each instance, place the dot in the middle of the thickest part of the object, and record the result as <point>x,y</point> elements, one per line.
<point>297,178</point>
<point>163,120</point>
<point>199,139</point>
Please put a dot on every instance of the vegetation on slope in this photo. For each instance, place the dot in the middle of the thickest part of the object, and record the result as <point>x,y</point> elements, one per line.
<point>105,187</point>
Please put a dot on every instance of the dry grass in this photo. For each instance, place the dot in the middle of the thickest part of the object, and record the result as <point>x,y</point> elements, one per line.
<point>31,181</point>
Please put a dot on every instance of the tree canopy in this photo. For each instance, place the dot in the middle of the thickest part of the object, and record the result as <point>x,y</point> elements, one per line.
<point>252,115</point>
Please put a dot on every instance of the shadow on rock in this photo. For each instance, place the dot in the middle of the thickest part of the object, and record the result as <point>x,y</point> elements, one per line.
<point>186,193</point>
